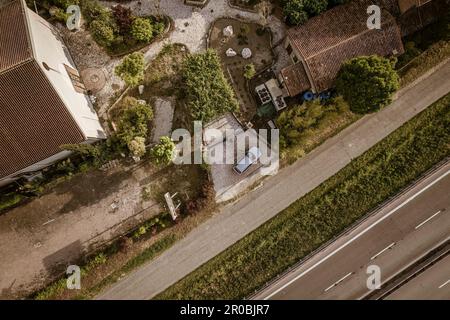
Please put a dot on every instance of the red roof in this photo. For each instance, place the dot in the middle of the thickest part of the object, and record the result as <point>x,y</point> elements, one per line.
<point>34,121</point>
<point>326,41</point>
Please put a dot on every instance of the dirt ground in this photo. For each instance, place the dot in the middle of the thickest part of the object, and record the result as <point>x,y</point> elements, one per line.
<point>245,36</point>
<point>41,238</point>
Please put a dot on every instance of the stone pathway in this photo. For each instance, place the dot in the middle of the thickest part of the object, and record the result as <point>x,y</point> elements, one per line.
<point>164,109</point>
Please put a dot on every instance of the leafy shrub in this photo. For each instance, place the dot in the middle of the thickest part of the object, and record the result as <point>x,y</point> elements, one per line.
<point>249,71</point>
<point>102,32</point>
<point>93,10</point>
<point>123,17</point>
<point>158,28</point>
<point>163,152</point>
<point>142,29</point>
<point>65,167</point>
<point>133,121</point>
<point>63,4</point>
<point>295,124</point>
<point>10,200</point>
<point>208,92</point>
<point>85,150</point>
<point>367,83</point>
<point>137,147</point>
<point>297,12</point>
<point>131,70</point>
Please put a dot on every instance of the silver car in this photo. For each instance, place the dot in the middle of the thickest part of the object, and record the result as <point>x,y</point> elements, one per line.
<point>250,158</point>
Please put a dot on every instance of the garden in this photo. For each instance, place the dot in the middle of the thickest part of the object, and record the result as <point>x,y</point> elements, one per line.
<point>118,29</point>
<point>207,91</point>
<point>145,241</point>
<point>231,39</point>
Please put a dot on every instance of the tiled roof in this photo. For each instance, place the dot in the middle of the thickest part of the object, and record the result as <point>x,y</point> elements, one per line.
<point>328,40</point>
<point>15,47</point>
<point>34,121</point>
<point>295,79</point>
<point>417,17</point>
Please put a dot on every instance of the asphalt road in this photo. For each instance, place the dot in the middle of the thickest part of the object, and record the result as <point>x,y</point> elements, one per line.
<point>431,284</point>
<point>392,239</point>
<point>236,220</point>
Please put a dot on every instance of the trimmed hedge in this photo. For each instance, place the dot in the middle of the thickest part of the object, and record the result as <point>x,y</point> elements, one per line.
<point>323,213</point>
<point>208,92</point>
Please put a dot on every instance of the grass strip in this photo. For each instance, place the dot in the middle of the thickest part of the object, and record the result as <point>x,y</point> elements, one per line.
<point>148,254</point>
<point>314,219</point>
<point>57,288</point>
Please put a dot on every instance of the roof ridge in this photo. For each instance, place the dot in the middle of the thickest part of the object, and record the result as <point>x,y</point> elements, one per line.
<point>360,34</point>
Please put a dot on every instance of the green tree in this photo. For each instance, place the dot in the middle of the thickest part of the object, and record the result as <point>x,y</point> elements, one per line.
<point>137,147</point>
<point>295,13</point>
<point>163,152</point>
<point>249,71</point>
<point>142,29</point>
<point>85,150</point>
<point>133,121</point>
<point>367,83</point>
<point>102,32</point>
<point>315,7</point>
<point>131,70</point>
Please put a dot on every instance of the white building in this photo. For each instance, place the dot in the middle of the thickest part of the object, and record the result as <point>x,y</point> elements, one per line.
<point>43,102</point>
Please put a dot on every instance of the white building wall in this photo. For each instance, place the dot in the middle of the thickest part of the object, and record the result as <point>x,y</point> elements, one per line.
<point>50,49</point>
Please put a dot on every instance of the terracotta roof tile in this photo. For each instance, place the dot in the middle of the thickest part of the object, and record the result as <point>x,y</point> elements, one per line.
<point>34,122</point>
<point>15,47</point>
<point>328,40</point>
<point>295,79</point>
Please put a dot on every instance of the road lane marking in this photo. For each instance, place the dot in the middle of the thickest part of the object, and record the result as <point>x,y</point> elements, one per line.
<point>358,235</point>
<point>339,281</point>
<point>428,219</point>
<point>382,251</point>
<point>49,221</point>
<point>444,284</point>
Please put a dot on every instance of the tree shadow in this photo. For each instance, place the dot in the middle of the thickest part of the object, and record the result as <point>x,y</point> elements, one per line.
<point>90,188</point>
<point>57,262</point>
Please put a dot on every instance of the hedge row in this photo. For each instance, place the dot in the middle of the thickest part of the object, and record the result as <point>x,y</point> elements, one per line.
<point>323,213</point>
<point>208,92</point>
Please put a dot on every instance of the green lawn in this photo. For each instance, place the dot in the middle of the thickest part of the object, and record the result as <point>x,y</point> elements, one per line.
<point>325,212</point>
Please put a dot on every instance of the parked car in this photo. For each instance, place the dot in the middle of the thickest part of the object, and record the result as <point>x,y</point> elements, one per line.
<point>250,158</point>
